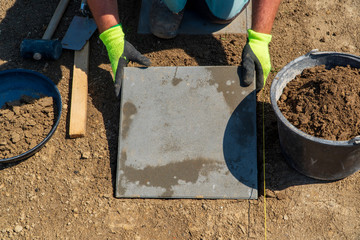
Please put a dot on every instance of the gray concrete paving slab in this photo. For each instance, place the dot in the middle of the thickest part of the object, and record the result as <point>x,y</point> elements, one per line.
<point>186,132</point>
<point>194,24</point>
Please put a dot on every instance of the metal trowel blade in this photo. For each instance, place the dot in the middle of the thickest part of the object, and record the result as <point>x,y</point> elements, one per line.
<point>79,31</point>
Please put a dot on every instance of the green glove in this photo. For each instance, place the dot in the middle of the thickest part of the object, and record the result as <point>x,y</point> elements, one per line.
<point>120,52</point>
<point>256,57</point>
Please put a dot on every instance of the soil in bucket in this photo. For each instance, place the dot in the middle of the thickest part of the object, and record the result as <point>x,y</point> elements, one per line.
<point>24,124</point>
<point>324,103</point>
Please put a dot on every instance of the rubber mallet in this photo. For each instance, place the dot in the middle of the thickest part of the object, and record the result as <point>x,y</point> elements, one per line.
<point>45,48</point>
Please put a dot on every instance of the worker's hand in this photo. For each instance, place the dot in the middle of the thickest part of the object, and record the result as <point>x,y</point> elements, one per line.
<point>120,53</point>
<point>256,57</point>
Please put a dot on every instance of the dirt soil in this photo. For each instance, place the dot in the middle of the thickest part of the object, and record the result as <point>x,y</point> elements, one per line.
<point>24,124</point>
<point>324,102</point>
<point>66,190</point>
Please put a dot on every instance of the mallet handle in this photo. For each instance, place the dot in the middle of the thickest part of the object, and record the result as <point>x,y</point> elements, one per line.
<point>59,11</point>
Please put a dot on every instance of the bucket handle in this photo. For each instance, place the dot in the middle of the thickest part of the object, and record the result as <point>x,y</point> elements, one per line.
<point>355,140</point>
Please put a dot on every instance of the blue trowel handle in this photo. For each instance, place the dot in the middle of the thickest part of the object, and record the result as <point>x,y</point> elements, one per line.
<point>84,8</point>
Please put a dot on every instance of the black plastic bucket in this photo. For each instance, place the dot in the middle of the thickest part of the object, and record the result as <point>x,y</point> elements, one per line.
<point>18,82</point>
<point>314,157</point>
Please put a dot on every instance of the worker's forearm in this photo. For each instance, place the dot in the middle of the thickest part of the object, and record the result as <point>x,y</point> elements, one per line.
<point>105,13</point>
<point>263,15</point>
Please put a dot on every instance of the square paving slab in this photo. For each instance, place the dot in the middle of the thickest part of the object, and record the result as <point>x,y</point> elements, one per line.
<point>192,23</point>
<point>186,132</point>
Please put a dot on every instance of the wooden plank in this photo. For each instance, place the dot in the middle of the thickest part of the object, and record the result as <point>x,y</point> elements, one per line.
<point>79,93</point>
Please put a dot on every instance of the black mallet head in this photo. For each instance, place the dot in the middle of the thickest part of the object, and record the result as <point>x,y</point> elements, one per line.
<point>41,49</point>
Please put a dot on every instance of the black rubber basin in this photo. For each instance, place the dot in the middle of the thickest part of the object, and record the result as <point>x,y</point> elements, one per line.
<point>314,157</point>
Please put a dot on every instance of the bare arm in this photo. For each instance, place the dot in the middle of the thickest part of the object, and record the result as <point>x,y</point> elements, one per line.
<point>263,15</point>
<point>105,13</point>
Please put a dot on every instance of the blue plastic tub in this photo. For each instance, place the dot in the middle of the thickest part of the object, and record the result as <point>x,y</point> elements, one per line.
<point>18,82</point>
<point>314,157</point>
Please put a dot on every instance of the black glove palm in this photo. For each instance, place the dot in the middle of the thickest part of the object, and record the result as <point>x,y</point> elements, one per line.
<point>129,54</point>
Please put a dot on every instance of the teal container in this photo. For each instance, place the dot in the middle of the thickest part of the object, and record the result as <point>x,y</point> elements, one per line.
<point>18,82</point>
